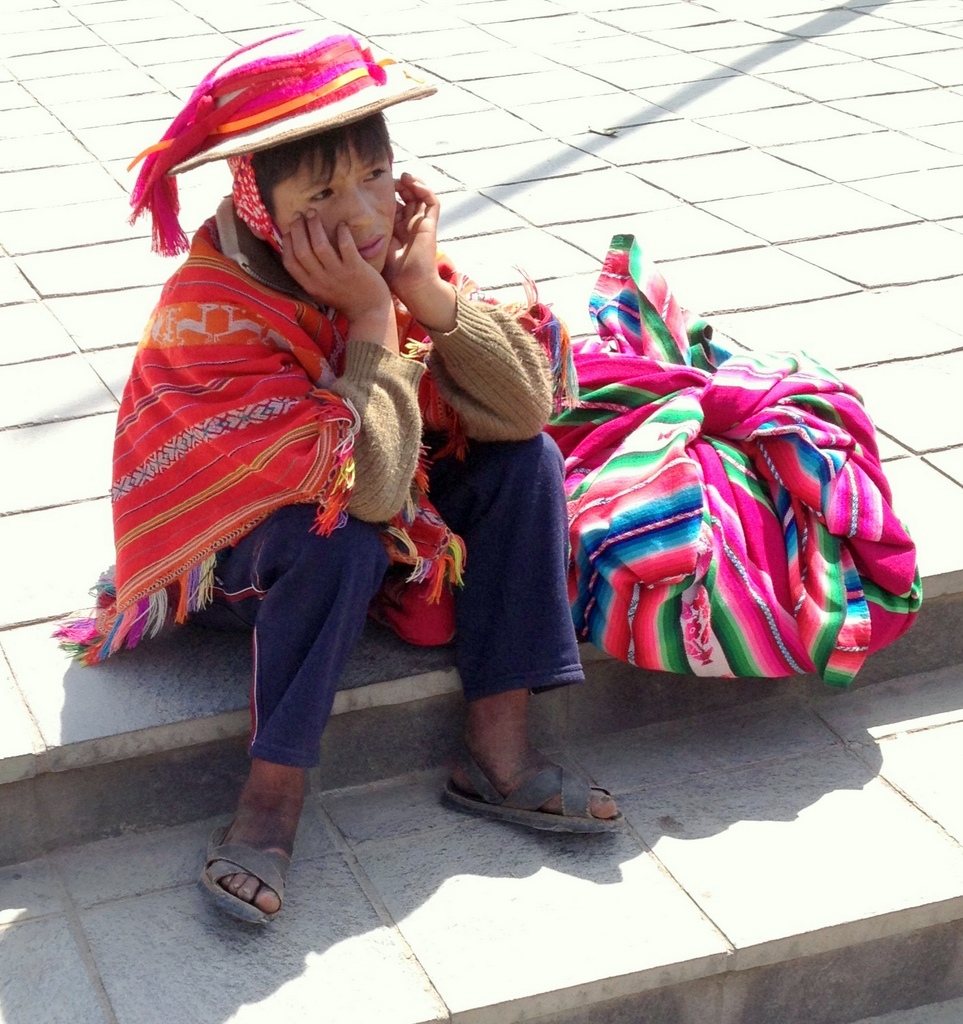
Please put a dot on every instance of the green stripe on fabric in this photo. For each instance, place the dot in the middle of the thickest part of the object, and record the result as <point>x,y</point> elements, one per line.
<point>740,471</point>
<point>730,632</point>
<point>834,597</point>
<point>820,406</point>
<point>898,603</point>
<point>668,619</point>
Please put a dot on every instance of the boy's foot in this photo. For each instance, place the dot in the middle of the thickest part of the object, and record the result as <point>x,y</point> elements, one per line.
<point>601,805</point>
<point>266,820</point>
<point>496,735</point>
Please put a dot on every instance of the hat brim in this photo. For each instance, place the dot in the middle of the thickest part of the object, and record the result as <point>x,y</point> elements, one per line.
<point>399,87</point>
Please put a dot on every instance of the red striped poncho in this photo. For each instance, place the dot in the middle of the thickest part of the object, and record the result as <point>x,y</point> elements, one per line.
<point>227,417</point>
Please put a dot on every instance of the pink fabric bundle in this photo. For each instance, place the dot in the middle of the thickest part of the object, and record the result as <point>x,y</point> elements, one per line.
<point>728,513</point>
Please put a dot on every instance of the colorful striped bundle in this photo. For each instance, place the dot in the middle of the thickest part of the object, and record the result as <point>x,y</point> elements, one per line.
<point>728,513</point>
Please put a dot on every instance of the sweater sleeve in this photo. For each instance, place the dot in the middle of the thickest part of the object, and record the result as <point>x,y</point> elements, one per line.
<point>493,373</point>
<point>383,388</point>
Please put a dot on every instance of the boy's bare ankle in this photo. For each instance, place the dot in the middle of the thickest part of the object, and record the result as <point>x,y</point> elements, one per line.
<point>273,796</point>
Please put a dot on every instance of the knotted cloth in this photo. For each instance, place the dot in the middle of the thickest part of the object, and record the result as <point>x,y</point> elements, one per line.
<point>728,512</point>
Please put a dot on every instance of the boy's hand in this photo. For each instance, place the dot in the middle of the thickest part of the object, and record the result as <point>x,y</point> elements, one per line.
<point>340,278</point>
<point>411,268</point>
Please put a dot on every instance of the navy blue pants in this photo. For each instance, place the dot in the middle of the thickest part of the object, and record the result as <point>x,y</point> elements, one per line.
<point>307,597</point>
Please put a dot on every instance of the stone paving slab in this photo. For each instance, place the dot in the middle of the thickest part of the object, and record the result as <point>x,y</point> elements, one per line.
<point>14,287</point>
<point>942,68</point>
<point>722,840</point>
<point>496,256</point>
<point>753,278</point>
<point>906,110</point>
<point>607,193</point>
<point>329,959</point>
<point>82,224</point>
<point>82,316</point>
<point>112,366</point>
<point>867,329</point>
<point>950,1012</point>
<point>528,161</point>
<point>676,232</point>
<point>728,95</point>
<point>20,742</point>
<point>44,967</point>
<point>73,568</point>
<point>656,141</point>
<point>888,709</point>
<point>34,455</point>
<point>61,149</point>
<point>743,172</point>
<point>869,155</point>
<point>72,272</point>
<point>31,320</point>
<point>804,122</point>
<point>58,389</point>
<point>807,212</point>
<point>782,55</point>
<point>949,462</point>
<point>549,916</point>
<point>837,81</point>
<point>887,256</point>
<point>913,764</point>
<point>931,382</point>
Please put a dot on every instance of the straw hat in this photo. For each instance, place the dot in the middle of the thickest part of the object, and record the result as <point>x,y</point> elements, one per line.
<point>286,87</point>
<point>337,108</point>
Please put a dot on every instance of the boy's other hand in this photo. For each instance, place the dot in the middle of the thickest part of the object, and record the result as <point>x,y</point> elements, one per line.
<point>411,268</point>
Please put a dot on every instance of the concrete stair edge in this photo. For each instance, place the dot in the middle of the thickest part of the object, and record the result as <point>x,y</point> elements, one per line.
<point>381,728</point>
<point>384,673</point>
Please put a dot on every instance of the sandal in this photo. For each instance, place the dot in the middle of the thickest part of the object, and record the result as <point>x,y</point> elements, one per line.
<point>270,867</point>
<point>521,805</point>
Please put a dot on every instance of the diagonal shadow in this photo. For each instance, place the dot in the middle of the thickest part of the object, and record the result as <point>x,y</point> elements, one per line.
<point>689,91</point>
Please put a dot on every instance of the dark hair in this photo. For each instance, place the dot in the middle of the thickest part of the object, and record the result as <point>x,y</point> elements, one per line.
<point>367,139</point>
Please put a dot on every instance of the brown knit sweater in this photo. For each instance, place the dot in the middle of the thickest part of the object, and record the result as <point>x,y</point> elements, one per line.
<point>492,372</point>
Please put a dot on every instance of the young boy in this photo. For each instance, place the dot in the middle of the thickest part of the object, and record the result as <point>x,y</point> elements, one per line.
<point>320,411</point>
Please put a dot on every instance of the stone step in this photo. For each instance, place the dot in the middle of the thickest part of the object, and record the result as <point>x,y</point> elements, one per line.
<point>793,860</point>
<point>91,752</point>
<point>948,1012</point>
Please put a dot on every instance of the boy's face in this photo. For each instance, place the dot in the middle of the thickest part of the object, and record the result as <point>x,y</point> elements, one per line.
<point>358,193</point>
